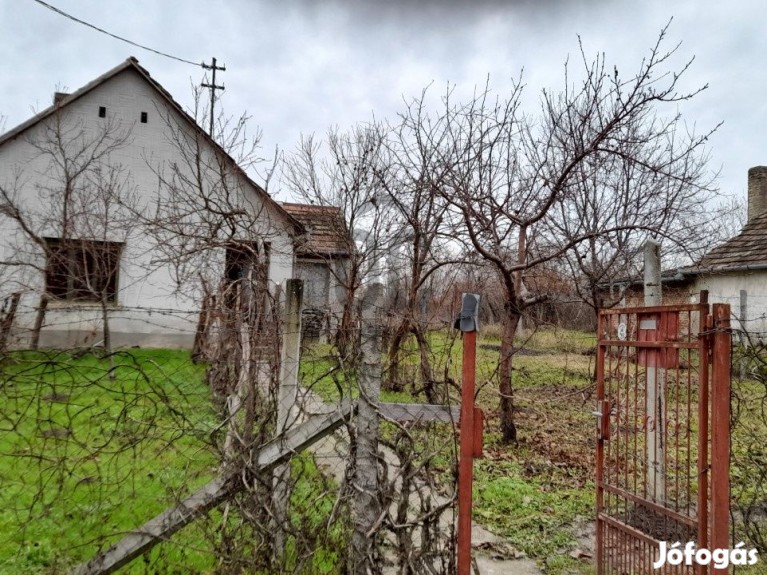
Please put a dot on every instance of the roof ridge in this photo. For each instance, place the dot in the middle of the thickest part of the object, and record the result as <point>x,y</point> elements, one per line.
<point>133,62</point>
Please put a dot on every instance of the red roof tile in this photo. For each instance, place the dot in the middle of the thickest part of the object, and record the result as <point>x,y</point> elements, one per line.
<point>327,232</point>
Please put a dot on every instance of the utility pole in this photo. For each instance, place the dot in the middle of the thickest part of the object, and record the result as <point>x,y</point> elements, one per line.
<point>213,87</point>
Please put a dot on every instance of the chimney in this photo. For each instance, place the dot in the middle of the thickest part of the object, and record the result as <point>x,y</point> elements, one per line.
<point>757,191</point>
<point>59,96</point>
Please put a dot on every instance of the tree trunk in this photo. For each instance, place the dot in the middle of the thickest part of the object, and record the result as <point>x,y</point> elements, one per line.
<point>201,333</point>
<point>508,428</point>
<point>107,332</point>
<point>393,380</point>
<point>39,319</point>
<point>344,338</point>
<point>427,375</point>
<point>7,321</point>
<point>107,335</point>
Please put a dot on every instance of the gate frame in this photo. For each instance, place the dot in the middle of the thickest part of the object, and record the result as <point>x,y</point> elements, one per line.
<point>714,352</point>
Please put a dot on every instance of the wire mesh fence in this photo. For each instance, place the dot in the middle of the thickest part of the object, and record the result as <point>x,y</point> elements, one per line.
<point>748,439</point>
<point>94,443</point>
<point>97,442</point>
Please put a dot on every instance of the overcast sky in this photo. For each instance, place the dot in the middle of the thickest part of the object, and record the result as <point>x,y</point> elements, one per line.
<point>302,66</point>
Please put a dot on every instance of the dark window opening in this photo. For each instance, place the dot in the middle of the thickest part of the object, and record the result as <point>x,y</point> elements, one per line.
<point>102,112</point>
<point>143,117</point>
<point>82,270</point>
<point>244,261</point>
<point>246,274</point>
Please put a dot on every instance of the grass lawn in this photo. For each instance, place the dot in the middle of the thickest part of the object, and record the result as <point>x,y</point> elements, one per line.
<point>85,456</point>
<point>540,493</point>
<point>90,450</point>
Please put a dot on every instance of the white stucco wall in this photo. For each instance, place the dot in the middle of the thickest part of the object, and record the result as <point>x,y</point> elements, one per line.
<point>150,310</point>
<point>725,288</point>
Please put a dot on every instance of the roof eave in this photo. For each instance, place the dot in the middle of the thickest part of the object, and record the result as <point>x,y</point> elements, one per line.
<point>701,270</point>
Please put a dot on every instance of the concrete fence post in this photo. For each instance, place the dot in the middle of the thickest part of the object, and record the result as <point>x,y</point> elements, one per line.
<point>656,378</point>
<point>287,398</point>
<point>366,481</point>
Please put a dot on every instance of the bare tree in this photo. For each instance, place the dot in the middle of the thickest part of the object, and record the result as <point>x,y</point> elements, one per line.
<point>512,175</point>
<point>67,229</point>
<point>347,173</point>
<point>420,249</point>
<point>617,203</point>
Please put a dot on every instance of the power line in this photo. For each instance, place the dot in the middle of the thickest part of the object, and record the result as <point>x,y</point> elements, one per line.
<point>62,13</point>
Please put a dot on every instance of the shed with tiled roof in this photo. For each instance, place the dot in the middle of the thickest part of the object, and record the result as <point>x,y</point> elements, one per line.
<point>322,256</point>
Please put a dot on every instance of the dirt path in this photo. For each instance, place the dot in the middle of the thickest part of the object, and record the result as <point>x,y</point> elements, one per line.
<point>493,554</point>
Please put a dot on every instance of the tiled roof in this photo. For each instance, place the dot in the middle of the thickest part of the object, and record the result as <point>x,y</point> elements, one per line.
<point>327,233</point>
<point>747,249</point>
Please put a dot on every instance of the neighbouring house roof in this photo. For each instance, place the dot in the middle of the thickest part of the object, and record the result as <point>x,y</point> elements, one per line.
<point>744,252</point>
<point>327,234</point>
<point>63,100</point>
<point>676,277</point>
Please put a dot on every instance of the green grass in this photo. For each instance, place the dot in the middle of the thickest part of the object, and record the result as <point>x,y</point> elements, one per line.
<point>324,542</point>
<point>535,516</point>
<point>84,457</point>
<point>88,452</point>
<point>92,447</point>
<point>533,494</point>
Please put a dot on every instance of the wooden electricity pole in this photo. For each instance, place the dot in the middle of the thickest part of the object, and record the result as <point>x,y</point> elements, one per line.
<point>213,87</point>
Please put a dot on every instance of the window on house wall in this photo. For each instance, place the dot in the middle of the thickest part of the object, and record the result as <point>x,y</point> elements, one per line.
<point>82,270</point>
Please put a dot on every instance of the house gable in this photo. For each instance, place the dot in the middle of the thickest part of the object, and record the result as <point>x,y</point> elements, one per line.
<point>161,100</point>
<point>158,306</point>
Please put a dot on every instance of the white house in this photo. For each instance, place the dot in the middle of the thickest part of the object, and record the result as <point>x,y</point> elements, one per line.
<point>734,272</point>
<point>115,201</point>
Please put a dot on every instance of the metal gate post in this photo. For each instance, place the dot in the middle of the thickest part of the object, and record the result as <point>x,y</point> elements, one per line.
<point>720,429</point>
<point>600,444</point>
<point>704,390</point>
<point>467,323</point>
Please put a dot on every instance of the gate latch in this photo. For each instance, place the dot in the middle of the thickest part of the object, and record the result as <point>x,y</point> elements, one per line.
<point>603,420</point>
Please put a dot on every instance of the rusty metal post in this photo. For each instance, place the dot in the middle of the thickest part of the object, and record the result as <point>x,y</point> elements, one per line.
<point>467,323</point>
<point>720,429</point>
<point>600,444</point>
<point>704,385</point>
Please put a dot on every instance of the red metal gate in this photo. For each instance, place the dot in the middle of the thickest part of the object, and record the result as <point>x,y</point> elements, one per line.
<point>662,434</point>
